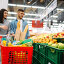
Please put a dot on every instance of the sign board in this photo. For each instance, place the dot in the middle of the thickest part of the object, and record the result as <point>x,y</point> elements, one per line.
<point>52,6</point>
<point>49,8</point>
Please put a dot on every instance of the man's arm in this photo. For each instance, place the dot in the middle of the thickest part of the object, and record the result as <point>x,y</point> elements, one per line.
<point>4,27</point>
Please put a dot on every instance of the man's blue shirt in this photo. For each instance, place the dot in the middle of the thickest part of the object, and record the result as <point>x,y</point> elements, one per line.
<point>13,26</point>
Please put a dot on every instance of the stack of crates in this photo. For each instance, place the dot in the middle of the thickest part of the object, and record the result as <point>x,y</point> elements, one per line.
<point>54,56</point>
<point>39,53</point>
<point>43,54</point>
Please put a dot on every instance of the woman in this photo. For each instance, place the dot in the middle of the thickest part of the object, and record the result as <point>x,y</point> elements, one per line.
<point>4,24</point>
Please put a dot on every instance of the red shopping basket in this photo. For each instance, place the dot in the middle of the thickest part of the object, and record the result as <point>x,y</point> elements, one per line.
<point>16,55</point>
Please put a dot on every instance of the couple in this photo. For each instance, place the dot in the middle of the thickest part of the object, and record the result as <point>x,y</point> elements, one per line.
<point>5,26</point>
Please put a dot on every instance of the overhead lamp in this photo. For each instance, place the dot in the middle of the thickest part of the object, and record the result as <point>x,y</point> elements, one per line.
<point>54,20</point>
<point>38,7</point>
<point>30,19</point>
<point>45,20</point>
<point>12,13</point>
<point>54,16</point>
<point>26,6</point>
<point>25,14</point>
<point>11,4</point>
<point>32,14</point>
<point>11,17</point>
<point>29,1</point>
<point>60,9</point>
<point>23,18</point>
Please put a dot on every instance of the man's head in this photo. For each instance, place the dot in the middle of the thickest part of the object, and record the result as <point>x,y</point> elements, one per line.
<point>20,13</point>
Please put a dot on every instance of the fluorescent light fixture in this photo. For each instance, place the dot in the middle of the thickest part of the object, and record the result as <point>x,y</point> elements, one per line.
<point>12,13</point>
<point>30,19</point>
<point>32,14</point>
<point>25,14</point>
<point>23,18</point>
<point>26,6</point>
<point>54,20</point>
<point>54,16</point>
<point>12,5</point>
<point>60,9</point>
<point>38,7</point>
<point>45,20</point>
<point>11,17</point>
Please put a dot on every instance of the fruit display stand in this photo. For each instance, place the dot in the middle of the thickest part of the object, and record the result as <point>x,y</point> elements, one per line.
<point>39,53</point>
<point>16,55</point>
<point>59,40</point>
<point>59,37</point>
<point>54,55</point>
<point>47,54</point>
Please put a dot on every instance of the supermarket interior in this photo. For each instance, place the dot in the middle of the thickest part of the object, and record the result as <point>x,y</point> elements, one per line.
<point>31,31</point>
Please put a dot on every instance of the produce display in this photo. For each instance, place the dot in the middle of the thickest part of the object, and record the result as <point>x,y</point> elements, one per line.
<point>56,45</point>
<point>59,35</point>
<point>25,43</point>
<point>44,38</point>
<point>48,38</point>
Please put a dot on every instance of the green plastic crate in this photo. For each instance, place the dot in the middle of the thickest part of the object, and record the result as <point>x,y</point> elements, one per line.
<point>47,55</point>
<point>42,59</point>
<point>39,53</point>
<point>35,53</point>
<point>59,40</point>
<point>49,61</point>
<point>34,61</point>
<point>42,49</point>
<point>35,46</point>
<point>55,55</point>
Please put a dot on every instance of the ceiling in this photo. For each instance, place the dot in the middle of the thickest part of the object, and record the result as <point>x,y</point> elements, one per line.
<point>31,10</point>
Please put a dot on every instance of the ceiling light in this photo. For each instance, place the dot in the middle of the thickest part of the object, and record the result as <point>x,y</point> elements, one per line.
<point>11,17</point>
<point>54,16</point>
<point>25,14</point>
<point>32,14</point>
<point>30,19</point>
<point>60,9</point>
<point>11,4</point>
<point>23,18</point>
<point>26,6</point>
<point>12,13</point>
<point>29,1</point>
<point>45,20</point>
<point>54,20</point>
<point>38,7</point>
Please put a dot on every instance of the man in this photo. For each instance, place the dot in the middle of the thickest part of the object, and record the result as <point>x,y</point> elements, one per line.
<point>13,24</point>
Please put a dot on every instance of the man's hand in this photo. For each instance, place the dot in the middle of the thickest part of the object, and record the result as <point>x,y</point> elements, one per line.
<point>13,35</point>
<point>4,27</point>
<point>28,37</point>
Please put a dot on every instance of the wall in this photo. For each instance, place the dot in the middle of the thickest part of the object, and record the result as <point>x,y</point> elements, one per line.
<point>3,4</point>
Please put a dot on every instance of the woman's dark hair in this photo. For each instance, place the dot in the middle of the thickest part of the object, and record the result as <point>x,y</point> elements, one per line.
<point>2,15</point>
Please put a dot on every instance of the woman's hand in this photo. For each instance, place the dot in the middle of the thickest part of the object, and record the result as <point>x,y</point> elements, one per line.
<point>4,27</point>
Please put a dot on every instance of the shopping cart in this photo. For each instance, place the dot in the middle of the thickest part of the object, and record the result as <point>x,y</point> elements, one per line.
<point>16,55</point>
